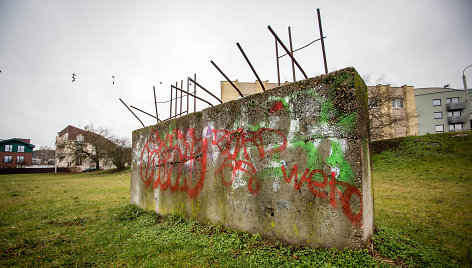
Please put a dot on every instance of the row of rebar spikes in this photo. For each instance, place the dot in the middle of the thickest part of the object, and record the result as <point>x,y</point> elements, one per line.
<point>195,97</point>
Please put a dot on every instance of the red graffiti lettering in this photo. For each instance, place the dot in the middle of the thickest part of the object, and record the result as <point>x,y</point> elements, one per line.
<point>236,140</point>
<point>277,106</point>
<point>316,188</point>
<point>178,162</point>
<point>175,156</point>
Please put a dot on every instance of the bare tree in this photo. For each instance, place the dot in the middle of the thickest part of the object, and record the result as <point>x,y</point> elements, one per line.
<point>120,153</point>
<point>95,144</point>
<point>45,153</point>
<point>384,122</point>
<point>380,116</point>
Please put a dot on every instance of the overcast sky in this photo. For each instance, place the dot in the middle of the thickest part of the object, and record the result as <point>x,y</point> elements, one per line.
<point>143,43</point>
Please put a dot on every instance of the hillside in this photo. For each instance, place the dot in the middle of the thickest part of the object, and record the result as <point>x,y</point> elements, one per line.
<point>422,191</point>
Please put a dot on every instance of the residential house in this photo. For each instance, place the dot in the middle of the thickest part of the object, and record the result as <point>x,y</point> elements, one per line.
<point>15,153</point>
<point>67,156</point>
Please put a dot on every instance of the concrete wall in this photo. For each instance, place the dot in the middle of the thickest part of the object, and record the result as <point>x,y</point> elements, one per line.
<point>291,163</point>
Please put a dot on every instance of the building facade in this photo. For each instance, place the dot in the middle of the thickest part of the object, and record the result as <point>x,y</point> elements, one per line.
<point>15,153</point>
<point>392,111</point>
<point>228,93</point>
<point>67,155</point>
<point>442,110</point>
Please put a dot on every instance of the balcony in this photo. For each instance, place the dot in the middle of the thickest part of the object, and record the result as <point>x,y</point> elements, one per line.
<point>456,106</point>
<point>456,120</point>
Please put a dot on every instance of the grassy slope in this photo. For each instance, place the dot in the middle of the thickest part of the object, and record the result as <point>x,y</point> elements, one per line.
<point>422,194</point>
<point>423,191</point>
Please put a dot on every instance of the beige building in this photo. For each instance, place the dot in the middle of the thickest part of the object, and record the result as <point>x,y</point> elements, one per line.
<point>392,109</point>
<point>228,93</point>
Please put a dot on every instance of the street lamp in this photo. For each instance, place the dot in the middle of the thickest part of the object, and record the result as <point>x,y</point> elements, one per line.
<point>467,97</point>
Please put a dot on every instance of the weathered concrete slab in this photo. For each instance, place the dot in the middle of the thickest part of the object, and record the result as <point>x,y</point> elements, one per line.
<point>291,163</point>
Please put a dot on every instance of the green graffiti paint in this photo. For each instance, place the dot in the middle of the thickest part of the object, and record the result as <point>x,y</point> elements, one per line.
<point>314,158</point>
<point>254,128</point>
<point>327,111</point>
<point>347,123</point>
<point>336,159</point>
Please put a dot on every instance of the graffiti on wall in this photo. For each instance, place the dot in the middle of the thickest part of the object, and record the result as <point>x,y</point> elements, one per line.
<point>177,159</point>
<point>171,162</point>
<point>232,144</point>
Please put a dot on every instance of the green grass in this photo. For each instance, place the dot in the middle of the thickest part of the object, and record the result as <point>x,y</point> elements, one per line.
<point>423,213</point>
<point>85,220</point>
<point>423,193</point>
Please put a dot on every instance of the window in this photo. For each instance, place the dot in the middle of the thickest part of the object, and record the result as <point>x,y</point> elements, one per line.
<point>7,159</point>
<point>20,159</point>
<point>455,127</point>
<point>8,148</point>
<point>438,115</point>
<point>454,114</point>
<point>397,103</point>
<point>439,128</point>
<point>436,102</point>
<point>21,148</point>
<point>454,100</point>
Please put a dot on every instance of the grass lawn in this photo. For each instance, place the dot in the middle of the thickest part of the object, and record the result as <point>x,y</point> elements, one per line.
<point>423,191</point>
<point>423,213</point>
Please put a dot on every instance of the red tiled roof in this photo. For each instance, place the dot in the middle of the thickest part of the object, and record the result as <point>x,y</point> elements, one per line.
<point>72,131</point>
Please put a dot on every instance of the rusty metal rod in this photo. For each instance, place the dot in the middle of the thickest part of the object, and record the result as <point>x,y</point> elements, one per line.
<point>207,91</point>
<point>188,91</point>
<point>176,92</point>
<point>287,51</point>
<point>145,113</point>
<point>250,65</point>
<point>277,60</point>
<point>221,72</point>
<point>175,116</point>
<point>194,92</point>
<point>181,100</point>
<point>291,52</point>
<point>322,40</point>
<point>155,103</point>
<point>194,96</point>
<point>185,112</point>
<point>132,112</point>
<point>170,112</point>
